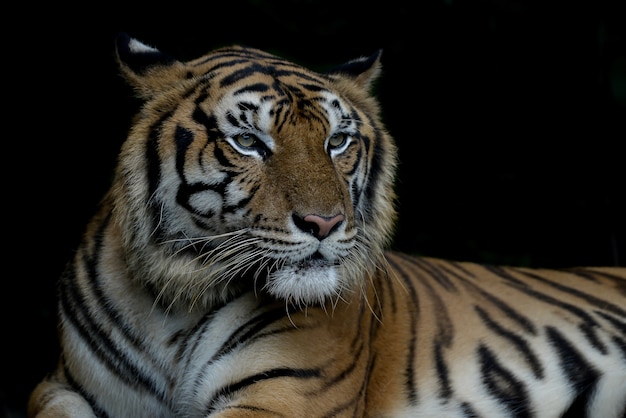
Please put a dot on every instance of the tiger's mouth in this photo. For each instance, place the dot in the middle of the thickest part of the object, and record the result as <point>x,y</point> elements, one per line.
<point>309,281</point>
<point>315,261</point>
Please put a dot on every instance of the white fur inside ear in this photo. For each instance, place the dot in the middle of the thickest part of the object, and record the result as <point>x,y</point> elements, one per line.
<point>304,285</point>
<point>136,46</point>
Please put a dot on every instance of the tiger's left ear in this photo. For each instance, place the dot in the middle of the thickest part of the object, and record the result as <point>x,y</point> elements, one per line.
<point>145,68</point>
<point>364,70</point>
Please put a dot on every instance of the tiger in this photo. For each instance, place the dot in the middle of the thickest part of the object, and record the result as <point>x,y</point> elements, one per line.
<point>241,265</point>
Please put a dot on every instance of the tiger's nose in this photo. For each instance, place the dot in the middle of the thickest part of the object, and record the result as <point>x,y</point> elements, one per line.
<point>318,226</point>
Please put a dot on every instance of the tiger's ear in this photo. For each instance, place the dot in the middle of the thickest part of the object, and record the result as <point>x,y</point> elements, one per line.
<point>146,68</point>
<point>363,71</point>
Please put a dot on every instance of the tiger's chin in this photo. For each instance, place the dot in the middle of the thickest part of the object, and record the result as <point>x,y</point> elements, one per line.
<point>305,285</point>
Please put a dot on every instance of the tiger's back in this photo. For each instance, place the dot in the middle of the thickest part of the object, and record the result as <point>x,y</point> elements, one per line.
<point>237,267</point>
<point>506,341</point>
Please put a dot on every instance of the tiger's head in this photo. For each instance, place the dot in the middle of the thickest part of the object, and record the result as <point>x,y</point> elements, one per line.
<point>246,171</point>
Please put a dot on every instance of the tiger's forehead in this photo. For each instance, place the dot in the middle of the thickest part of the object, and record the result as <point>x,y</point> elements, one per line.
<point>239,111</point>
<point>233,65</point>
<point>234,54</point>
<point>260,92</point>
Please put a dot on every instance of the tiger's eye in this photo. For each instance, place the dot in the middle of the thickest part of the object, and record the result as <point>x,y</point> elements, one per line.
<point>337,139</point>
<point>246,139</point>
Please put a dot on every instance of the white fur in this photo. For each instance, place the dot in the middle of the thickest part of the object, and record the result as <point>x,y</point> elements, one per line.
<point>297,284</point>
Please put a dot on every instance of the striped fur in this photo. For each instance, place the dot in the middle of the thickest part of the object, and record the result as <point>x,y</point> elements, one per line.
<point>237,268</point>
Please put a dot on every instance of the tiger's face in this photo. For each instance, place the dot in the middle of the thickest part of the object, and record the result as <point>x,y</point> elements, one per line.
<point>245,171</point>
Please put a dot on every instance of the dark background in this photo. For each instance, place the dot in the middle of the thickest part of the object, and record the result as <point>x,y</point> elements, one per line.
<point>510,116</point>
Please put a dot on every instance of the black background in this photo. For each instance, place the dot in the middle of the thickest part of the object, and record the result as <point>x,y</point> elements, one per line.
<point>510,116</point>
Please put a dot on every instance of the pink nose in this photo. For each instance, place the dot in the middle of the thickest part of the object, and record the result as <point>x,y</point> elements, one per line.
<point>320,226</point>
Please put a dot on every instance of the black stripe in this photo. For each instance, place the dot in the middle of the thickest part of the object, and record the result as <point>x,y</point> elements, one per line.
<point>348,369</point>
<point>589,325</point>
<point>621,344</point>
<point>237,59</point>
<point>445,389</point>
<point>526,324</point>
<point>357,160</point>
<point>279,123</point>
<point>99,340</point>
<point>231,389</point>
<point>279,112</point>
<point>289,70</point>
<point>105,306</point>
<point>440,277</point>
<point>232,119</point>
<point>502,273</point>
<point>245,407</point>
<point>200,88</point>
<point>520,344</point>
<point>209,122</point>
<point>152,158</point>
<point>244,334</point>
<point>182,138</point>
<point>409,371</point>
<point>374,168</point>
<point>153,162</point>
<point>581,375</point>
<point>223,159</point>
<point>235,56</point>
<point>385,282</point>
<point>256,87</point>
<point>195,336</point>
<point>593,300</point>
<point>503,385</point>
<point>251,331</point>
<point>617,324</point>
<point>239,56</point>
<point>244,106</point>
<point>97,409</point>
<point>314,88</point>
<point>468,411</point>
<point>355,192</point>
<point>445,329</point>
<point>245,72</point>
<point>592,274</point>
<point>347,404</point>
<point>511,313</point>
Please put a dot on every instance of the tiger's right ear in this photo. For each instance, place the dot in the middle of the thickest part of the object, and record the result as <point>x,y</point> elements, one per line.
<point>364,70</point>
<point>145,68</point>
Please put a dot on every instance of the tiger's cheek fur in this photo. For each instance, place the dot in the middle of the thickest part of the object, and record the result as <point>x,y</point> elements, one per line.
<point>199,188</point>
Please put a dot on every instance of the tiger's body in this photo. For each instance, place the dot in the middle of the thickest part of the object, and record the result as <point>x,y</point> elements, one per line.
<point>237,268</point>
